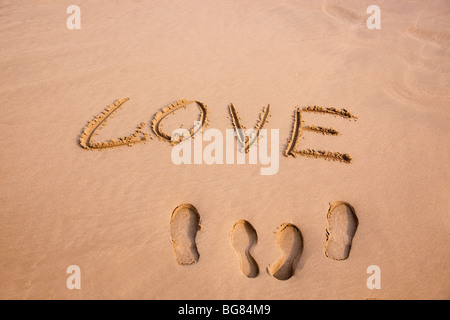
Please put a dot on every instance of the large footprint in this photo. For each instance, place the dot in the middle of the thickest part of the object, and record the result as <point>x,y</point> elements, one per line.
<point>243,238</point>
<point>290,242</point>
<point>342,225</point>
<point>184,225</point>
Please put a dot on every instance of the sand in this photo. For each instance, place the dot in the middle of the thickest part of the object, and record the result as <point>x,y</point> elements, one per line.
<point>109,211</point>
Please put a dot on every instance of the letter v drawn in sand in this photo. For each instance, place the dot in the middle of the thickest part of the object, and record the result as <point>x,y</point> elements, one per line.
<point>245,142</point>
<point>184,225</point>
<point>290,241</point>
<point>342,225</point>
<point>243,238</point>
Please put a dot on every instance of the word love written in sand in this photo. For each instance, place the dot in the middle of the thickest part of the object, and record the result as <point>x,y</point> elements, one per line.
<point>245,140</point>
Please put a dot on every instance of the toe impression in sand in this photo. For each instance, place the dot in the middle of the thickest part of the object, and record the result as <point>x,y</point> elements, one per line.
<point>290,242</point>
<point>184,225</point>
<point>243,238</point>
<point>342,225</point>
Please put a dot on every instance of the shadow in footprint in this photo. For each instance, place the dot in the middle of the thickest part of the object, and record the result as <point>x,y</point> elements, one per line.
<point>243,238</point>
<point>184,225</point>
<point>342,225</point>
<point>290,241</point>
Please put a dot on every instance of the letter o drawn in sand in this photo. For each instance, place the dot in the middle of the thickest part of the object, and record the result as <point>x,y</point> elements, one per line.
<point>342,225</point>
<point>290,241</point>
<point>184,225</point>
<point>243,238</point>
<point>161,115</point>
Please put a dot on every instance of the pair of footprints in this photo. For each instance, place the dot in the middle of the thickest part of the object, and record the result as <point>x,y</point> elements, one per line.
<point>342,225</point>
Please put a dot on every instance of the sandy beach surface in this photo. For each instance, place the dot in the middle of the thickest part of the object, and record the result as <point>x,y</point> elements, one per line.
<point>112,212</point>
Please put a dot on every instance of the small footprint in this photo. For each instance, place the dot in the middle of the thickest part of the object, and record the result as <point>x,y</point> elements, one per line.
<point>290,241</point>
<point>243,238</point>
<point>184,225</point>
<point>342,225</point>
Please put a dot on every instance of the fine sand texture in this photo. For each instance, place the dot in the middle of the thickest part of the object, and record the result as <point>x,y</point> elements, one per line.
<point>87,176</point>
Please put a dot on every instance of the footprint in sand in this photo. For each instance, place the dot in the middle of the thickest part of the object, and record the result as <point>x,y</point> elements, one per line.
<point>184,225</point>
<point>290,242</point>
<point>342,225</point>
<point>243,238</point>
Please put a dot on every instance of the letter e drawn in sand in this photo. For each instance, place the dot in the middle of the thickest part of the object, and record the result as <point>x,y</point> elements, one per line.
<point>298,128</point>
<point>342,225</point>
<point>290,242</point>
<point>243,238</point>
<point>184,225</point>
